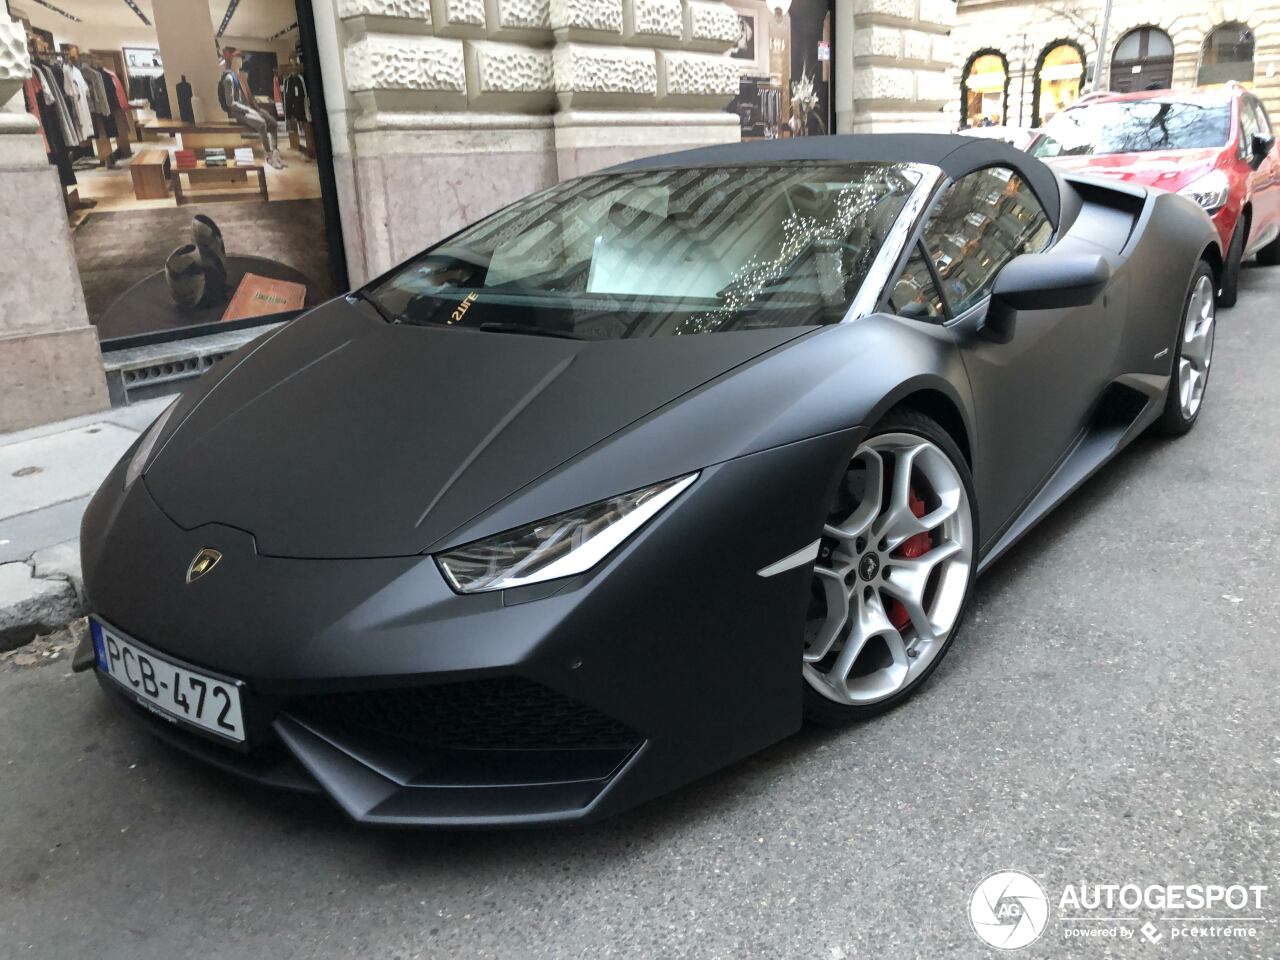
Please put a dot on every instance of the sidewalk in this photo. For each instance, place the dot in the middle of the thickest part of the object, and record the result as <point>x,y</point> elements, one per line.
<point>47,475</point>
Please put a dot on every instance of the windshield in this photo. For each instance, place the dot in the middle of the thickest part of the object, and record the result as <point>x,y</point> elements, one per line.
<point>1138,126</point>
<point>661,253</point>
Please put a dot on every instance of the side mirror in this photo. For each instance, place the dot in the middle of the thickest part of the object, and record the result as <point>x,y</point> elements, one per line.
<point>1261,147</point>
<point>1042,281</point>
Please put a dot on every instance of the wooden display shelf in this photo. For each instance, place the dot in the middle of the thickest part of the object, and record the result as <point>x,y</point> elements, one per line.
<point>233,172</point>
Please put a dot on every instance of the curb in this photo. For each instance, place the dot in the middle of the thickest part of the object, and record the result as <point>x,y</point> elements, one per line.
<point>40,595</point>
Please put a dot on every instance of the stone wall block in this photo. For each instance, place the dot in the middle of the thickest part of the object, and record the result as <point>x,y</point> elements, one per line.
<point>704,79</point>
<point>586,19</point>
<point>903,9</point>
<point>938,13</point>
<point>709,25</point>
<point>526,20</point>
<point>883,83</point>
<point>653,22</point>
<point>933,86</point>
<point>15,62</point>
<point>390,72</point>
<point>508,76</point>
<point>458,18</point>
<point>590,75</point>
<point>917,45</point>
<point>416,11</point>
<point>877,41</point>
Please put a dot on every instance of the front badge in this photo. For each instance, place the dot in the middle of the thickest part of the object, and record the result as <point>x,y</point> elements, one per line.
<point>205,561</point>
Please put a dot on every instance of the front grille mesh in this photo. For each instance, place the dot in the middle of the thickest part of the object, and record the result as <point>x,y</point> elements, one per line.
<point>497,713</point>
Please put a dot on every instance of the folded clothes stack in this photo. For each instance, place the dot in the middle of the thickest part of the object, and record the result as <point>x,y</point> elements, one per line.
<point>215,157</point>
<point>184,159</point>
<point>244,156</point>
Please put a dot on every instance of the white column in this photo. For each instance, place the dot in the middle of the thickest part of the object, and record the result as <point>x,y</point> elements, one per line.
<point>184,31</point>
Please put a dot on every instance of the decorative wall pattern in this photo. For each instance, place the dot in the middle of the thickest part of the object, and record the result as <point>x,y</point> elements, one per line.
<point>468,13</point>
<point>582,68</point>
<point>510,68</point>
<point>520,14</point>
<point>696,75</point>
<point>596,15</point>
<point>712,21</point>
<point>385,62</point>
<point>654,18</point>
<point>404,9</point>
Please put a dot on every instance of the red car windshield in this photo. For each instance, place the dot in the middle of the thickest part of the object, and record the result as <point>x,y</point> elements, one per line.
<point>1140,126</point>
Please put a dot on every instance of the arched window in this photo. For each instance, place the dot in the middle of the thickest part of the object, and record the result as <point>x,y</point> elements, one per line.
<point>984,90</point>
<point>1142,60</point>
<point>1059,75</point>
<point>1227,55</point>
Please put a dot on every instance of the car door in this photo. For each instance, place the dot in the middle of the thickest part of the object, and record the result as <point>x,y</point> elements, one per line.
<point>1032,395</point>
<point>1264,183</point>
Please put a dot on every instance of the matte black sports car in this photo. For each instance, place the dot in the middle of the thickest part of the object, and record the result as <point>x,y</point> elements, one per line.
<point>619,484</point>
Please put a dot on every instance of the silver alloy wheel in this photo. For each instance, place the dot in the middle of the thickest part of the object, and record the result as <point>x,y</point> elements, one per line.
<point>1196,350</point>
<point>853,652</point>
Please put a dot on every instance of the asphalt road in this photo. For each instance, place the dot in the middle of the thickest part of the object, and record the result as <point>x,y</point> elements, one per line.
<point>1108,716</point>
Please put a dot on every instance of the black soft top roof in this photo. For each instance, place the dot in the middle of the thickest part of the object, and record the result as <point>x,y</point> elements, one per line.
<point>955,155</point>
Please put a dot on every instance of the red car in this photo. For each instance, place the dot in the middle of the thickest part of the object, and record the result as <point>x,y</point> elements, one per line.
<point>1214,146</point>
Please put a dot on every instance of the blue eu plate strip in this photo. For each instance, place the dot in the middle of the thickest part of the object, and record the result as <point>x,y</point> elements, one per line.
<point>99,648</point>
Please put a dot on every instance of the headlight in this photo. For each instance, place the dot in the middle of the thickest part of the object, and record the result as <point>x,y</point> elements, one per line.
<point>1210,191</point>
<point>148,444</point>
<point>558,546</point>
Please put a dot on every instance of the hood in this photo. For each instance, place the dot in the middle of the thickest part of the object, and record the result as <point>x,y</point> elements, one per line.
<point>345,436</point>
<point>1168,170</point>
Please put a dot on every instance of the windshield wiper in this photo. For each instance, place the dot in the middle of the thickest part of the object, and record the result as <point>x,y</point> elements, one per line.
<point>496,327</point>
<point>382,311</point>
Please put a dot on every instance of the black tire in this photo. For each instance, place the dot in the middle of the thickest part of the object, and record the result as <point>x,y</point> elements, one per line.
<point>1229,292</point>
<point>822,710</point>
<point>1172,423</point>
<point>1269,256</point>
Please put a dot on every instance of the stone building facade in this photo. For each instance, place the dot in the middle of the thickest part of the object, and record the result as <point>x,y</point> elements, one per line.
<point>1023,34</point>
<point>441,111</point>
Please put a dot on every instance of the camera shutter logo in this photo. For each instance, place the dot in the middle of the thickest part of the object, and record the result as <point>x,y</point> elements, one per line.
<point>1008,910</point>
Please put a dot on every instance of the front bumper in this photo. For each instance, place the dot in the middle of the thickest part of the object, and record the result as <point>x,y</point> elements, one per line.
<point>408,704</point>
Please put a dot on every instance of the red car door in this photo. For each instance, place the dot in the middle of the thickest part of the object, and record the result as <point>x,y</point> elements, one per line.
<point>1264,182</point>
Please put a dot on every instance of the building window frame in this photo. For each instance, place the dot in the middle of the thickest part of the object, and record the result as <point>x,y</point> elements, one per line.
<point>1245,31</point>
<point>1049,48</point>
<point>964,83</point>
<point>1144,59</point>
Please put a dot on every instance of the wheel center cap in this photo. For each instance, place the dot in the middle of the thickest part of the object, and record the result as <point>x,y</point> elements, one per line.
<point>869,566</point>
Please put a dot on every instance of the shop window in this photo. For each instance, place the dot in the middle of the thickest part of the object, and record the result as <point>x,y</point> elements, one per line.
<point>1227,55</point>
<point>784,55</point>
<point>984,90</point>
<point>1059,75</point>
<point>193,162</point>
<point>1142,60</point>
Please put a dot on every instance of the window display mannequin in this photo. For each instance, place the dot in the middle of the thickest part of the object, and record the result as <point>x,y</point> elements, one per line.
<point>240,105</point>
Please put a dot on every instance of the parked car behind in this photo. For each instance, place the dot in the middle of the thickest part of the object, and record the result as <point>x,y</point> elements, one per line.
<point>1214,146</point>
<point>1030,140</point>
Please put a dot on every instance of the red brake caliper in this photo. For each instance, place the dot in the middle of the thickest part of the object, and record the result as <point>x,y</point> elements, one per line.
<point>911,548</point>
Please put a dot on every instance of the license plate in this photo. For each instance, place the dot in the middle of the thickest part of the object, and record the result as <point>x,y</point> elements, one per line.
<point>170,689</point>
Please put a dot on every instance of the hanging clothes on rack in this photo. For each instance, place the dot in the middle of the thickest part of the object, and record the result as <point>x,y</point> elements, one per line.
<point>78,91</point>
<point>160,98</point>
<point>297,105</point>
<point>46,98</point>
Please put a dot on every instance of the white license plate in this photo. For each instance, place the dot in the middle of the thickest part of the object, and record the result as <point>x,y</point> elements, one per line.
<point>168,688</point>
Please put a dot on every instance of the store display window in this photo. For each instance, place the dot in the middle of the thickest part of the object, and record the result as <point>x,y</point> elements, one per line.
<point>984,90</point>
<point>191,147</point>
<point>1059,78</point>
<point>784,53</point>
